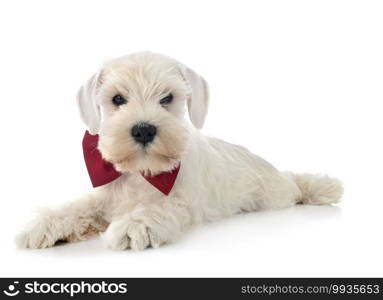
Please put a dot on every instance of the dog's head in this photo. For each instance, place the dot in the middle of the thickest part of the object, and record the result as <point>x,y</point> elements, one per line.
<point>137,105</point>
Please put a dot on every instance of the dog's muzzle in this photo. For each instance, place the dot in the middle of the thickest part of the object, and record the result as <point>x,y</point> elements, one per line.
<point>144,133</point>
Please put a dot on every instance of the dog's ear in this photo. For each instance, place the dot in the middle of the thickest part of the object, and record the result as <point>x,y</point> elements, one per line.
<point>198,101</point>
<point>88,105</point>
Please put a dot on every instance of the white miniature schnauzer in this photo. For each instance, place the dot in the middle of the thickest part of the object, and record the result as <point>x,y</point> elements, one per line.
<point>155,173</point>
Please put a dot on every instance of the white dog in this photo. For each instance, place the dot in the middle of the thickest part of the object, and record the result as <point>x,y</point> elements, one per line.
<point>162,174</point>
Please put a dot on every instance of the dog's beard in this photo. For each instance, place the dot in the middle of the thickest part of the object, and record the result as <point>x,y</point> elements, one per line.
<point>162,155</point>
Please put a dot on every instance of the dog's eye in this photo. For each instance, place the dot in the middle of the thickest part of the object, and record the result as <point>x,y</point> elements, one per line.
<point>166,100</point>
<point>118,100</point>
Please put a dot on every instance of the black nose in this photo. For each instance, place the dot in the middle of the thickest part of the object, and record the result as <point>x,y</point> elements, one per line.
<point>144,133</point>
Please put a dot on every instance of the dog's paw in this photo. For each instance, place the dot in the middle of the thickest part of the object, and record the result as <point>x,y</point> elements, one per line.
<point>40,233</point>
<point>128,233</point>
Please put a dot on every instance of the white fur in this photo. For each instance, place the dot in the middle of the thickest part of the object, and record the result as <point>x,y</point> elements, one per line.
<point>216,179</point>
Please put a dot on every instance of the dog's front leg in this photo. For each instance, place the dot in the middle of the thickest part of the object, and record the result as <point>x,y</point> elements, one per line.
<point>147,225</point>
<point>72,222</point>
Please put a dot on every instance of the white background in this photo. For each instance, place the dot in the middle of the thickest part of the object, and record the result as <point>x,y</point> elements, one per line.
<point>297,82</point>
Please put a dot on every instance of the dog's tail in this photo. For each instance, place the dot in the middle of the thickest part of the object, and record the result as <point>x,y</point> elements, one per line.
<point>317,189</point>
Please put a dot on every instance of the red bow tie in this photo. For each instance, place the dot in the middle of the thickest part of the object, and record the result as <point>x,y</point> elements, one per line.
<point>102,172</point>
